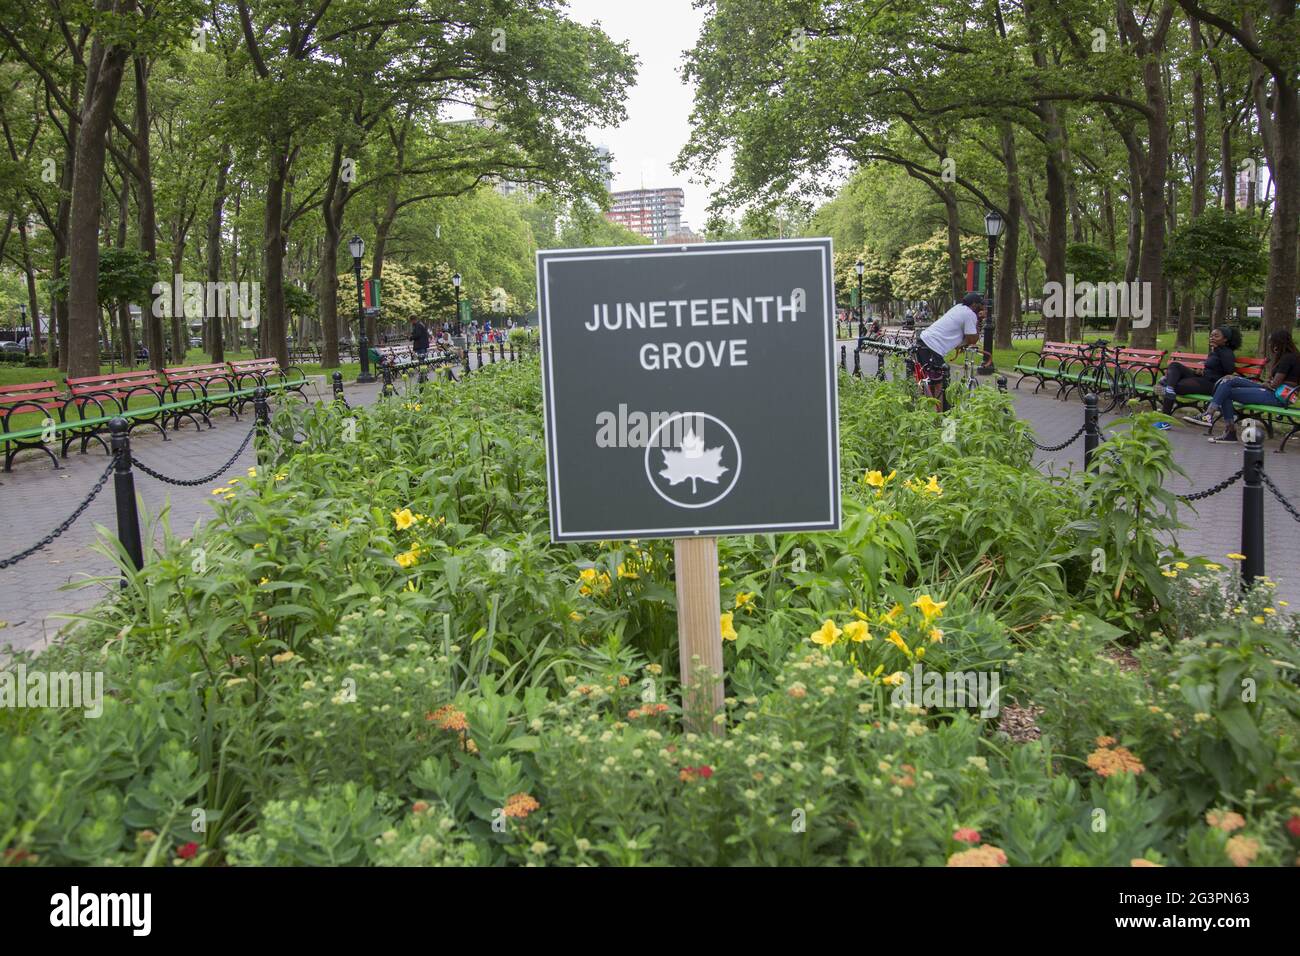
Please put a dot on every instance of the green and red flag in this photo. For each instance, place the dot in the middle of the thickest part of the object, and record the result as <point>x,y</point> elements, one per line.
<point>976,275</point>
<point>372,288</point>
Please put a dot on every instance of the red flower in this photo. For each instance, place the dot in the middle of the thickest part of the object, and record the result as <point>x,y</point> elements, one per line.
<point>188,851</point>
<point>967,835</point>
<point>704,771</point>
<point>1293,825</point>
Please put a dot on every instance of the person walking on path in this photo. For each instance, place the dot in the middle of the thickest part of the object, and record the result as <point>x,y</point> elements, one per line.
<point>419,337</point>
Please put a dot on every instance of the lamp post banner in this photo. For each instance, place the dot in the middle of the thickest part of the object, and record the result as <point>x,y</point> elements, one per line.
<point>689,389</point>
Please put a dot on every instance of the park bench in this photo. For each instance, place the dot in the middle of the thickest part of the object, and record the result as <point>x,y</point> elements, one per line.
<point>1062,354</point>
<point>267,373</point>
<point>110,395</point>
<point>1251,368</point>
<point>44,398</point>
<point>213,386</point>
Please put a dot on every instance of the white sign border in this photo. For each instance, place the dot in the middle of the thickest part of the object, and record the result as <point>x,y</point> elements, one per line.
<point>545,257</point>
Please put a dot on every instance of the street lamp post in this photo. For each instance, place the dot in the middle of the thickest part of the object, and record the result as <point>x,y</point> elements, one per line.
<point>992,229</point>
<point>27,342</point>
<point>455,281</point>
<point>357,246</point>
<point>860,267</point>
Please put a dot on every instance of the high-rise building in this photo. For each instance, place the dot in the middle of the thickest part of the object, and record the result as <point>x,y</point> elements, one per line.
<point>654,213</point>
<point>606,160</point>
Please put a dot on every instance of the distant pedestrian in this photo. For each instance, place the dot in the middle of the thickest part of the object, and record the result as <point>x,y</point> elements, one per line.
<point>419,337</point>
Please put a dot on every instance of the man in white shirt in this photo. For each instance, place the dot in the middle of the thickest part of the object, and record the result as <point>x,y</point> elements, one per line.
<point>956,328</point>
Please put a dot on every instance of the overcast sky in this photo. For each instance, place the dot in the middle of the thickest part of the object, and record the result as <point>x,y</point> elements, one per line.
<point>659,106</point>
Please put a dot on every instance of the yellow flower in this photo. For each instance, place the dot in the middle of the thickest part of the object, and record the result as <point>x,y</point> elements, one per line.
<point>623,572</point>
<point>1258,618</point>
<point>407,558</point>
<point>936,636</point>
<point>1269,610</point>
<point>575,616</point>
<point>932,485</point>
<point>746,600</point>
<point>929,608</point>
<point>728,631</point>
<point>878,480</point>
<point>1181,565</point>
<point>827,635</point>
<point>894,679</point>
<point>252,473</point>
<point>889,616</point>
<point>857,631</point>
<point>264,582</point>
<point>1213,567</point>
<point>857,612</point>
<point>1235,556</point>
<point>280,476</point>
<point>897,640</point>
<point>404,519</point>
<point>1170,574</point>
<point>284,658</point>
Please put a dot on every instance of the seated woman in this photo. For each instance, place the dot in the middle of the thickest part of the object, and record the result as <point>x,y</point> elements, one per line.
<point>1222,360</point>
<point>1275,386</point>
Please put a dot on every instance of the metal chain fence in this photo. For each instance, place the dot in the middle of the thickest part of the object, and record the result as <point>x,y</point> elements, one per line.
<point>1291,509</point>
<point>66,523</point>
<point>1215,489</point>
<point>1065,444</point>
<point>197,481</point>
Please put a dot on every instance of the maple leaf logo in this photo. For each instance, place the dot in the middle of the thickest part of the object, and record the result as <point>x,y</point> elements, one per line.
<point>693,461</point>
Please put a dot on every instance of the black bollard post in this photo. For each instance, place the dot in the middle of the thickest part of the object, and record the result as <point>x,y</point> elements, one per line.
<point>1002,384</point>
<point>128,518</point>
<point>338,388</point>
<point>1091,434</point>
<point>857,363</point>
<point>420,377</point>
<point>1252,506</point>
<point>844,359</point>
<point>880,365</point>
<point>480,354</point>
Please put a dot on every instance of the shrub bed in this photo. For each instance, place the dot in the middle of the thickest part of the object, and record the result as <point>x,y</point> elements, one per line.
<point>374,654</point>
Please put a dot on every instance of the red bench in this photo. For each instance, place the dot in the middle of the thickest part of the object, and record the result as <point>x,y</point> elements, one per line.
<point>214,384</point>
<point>44,397</point>
<point>107,394</point>
<point>267,372</point>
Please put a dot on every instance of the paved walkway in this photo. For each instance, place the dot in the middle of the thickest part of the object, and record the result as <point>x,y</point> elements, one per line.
<point>34,498</point>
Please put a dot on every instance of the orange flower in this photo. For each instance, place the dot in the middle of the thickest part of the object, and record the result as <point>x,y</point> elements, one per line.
<point>520,805</point>
<point>1105,741</point>
<point>979,856</point>
<point>1242,850</point>
<point>1225,820</point>
<point>448,717</point>
<point>1109,762</point>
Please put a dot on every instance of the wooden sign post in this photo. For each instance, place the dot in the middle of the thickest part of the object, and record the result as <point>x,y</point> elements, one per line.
<point>699,632</point>
<point>689,393</point>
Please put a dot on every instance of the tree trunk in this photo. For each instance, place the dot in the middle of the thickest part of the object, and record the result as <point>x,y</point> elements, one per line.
<point>1006,293</point>
<point>29,274</point>
<point>955,264</point>
<point>327,270</point>
<point>216,342</point>
<point>104,78</point>
<point>273,249</point>
<point>1055,328</point>
<point>1284,169</point>
<point>1134,242</point>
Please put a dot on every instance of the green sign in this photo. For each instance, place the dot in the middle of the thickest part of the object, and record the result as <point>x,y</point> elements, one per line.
<point>465,311</point>
<point>689,390</point>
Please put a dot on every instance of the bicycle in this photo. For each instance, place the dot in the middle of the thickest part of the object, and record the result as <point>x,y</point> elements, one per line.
<point>1101,376</point>
<point>933,384</point>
